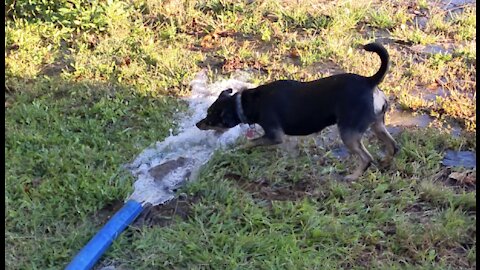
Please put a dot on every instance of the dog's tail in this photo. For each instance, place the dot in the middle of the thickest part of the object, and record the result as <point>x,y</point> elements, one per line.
<point>384,57</point>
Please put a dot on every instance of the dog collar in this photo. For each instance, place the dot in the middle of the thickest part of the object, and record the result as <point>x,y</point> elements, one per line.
<point>240,114</point>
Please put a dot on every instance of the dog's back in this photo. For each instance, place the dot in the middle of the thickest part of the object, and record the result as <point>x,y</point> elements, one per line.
<point>302,108</point>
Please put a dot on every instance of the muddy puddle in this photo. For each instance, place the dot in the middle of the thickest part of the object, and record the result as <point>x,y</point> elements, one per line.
<point>408,119</point>
<point>398,120</point>
<point>431,94</point>
<point>466,159</point>
<point>431,49</point>
<point>457,4</point>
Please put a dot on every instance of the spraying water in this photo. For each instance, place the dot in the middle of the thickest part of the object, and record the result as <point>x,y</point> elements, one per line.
<point>161,169</point>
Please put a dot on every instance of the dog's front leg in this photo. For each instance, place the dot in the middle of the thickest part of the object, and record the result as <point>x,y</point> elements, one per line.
<point>271,137</point>
<point>262,141</point>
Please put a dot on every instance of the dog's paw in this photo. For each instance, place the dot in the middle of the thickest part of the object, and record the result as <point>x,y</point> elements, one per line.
<point>385,163</point>
<point>246,146</point>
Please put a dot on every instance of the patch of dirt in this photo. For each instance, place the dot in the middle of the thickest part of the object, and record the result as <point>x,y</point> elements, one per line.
<point>213,40</point>
<point>368,31</point>
<point>325,68</point>
<point>265,190</point>
<point>103,215</point>
<point>212,61</point>
<point>232,64</point>
<point>456,256</point>
<point>210,43</point>
<point>62,61</point>
<point>419,212</point>
<point>13,47</point>
<point>165,214</point>
<point>160,215</point>
<point>222,65</point>
<point>35,183</point>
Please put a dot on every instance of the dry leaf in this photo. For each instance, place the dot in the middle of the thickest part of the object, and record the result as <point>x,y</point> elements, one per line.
<point>209,41</point>
<point>467,178</point>
<point>226,33</point>
<point>294,53</point>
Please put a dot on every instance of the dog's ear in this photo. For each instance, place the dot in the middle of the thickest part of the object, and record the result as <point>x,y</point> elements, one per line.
<point>226,93</point>
<point>228,119</point>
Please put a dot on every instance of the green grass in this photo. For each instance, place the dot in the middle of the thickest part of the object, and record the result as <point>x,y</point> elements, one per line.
<point>89,86</point>
<point>369,223</point>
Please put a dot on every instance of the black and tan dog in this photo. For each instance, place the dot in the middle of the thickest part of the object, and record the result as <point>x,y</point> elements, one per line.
<point>289,107</point>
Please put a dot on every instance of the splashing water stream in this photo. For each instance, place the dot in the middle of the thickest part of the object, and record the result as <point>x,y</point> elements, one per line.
<point>188,150</point>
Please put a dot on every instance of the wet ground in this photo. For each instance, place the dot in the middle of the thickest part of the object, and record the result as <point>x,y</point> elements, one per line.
<point>152,216</point>
<point>407,119</point>
<point>166,214</point>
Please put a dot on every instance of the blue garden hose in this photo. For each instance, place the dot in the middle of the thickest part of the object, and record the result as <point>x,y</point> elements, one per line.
<point>89,255</point>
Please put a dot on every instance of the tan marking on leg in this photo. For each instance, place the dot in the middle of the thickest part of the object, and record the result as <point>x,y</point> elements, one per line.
<point>353,141</point>
<point>384,136</point>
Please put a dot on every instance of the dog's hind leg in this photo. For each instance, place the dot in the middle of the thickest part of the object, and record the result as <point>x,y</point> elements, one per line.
<point>353,141</point>
<point>378,127</point>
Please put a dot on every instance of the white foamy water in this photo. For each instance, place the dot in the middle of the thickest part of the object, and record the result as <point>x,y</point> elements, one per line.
<point>195,145</point>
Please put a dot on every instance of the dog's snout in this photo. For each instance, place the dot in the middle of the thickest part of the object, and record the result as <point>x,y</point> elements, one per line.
<point>201,124</point>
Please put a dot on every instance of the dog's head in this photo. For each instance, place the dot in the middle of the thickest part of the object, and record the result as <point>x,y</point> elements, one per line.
<point>221,115</point>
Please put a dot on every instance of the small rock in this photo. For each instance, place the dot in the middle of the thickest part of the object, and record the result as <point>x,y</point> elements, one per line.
<point>420,22</point>
<point>182,196</point>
